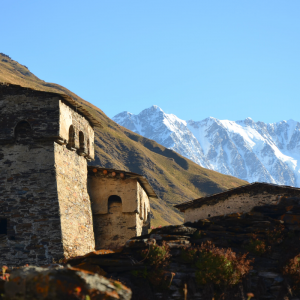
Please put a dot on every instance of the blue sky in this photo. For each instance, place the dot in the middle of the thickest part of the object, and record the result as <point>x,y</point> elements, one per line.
<point>195,59</point>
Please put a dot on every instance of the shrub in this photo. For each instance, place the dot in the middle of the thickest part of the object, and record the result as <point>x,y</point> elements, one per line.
<point>157,256</point>
<point>197,235</point>
<point>256,246</point>
<point>220,267</point>
<point>276,235</point>
<point>189,255</point>
<point>292,269</point>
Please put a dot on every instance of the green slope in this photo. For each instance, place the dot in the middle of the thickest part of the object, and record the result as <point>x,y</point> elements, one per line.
<point>174,178</point>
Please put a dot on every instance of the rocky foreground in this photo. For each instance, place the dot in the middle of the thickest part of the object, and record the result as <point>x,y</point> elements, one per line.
<point>252,251</point>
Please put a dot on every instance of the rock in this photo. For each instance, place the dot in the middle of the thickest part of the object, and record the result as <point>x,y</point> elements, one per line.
<point>269,274</point>
<point>292,219</point>
<point>166,237</point>
<point>112,262</point>
<point>142,243</point>
<point>174,230</point>
<point>91,268</point>
<point>32,282</point>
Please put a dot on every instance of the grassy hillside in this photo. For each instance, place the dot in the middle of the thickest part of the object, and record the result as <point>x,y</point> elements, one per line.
<point>174,178</point>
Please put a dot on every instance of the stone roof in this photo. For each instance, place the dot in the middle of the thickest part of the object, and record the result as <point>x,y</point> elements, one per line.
<point>252,188</point>
<point>101,172</point>
<point>14,89</point>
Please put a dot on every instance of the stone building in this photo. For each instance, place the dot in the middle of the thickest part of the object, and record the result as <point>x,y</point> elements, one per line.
<point>120,205</point>
<point>46,140</point>
<point>238,200</point>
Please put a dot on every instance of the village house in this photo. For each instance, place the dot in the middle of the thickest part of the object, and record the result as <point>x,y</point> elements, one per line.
<point>120,205</point>
<point>46,140</point>
<point>238,200</point>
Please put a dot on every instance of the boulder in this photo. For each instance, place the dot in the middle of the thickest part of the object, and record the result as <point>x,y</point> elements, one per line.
<point>29,283</point>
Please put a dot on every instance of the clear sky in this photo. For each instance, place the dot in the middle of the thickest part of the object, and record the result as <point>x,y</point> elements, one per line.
<point>195,59</point>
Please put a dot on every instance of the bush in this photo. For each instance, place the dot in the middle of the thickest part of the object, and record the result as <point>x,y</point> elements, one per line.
<point>256,246</point>
<point>220,267</point>
<point>276,235</point>
<point>157,256</point>
<point>292,269</point>
<point>189,255</point>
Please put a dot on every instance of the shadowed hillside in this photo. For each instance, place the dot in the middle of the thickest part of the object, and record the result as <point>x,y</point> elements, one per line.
<point>174,178</point>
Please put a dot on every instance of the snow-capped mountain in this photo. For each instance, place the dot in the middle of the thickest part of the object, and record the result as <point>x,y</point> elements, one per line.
<point>253,151</point>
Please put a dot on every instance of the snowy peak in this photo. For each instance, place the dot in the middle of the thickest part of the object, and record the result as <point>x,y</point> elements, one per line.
<point>252,151</point>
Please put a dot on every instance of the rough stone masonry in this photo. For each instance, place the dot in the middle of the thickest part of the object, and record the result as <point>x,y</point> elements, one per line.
<point>46,214</point>
<point>45,211</point>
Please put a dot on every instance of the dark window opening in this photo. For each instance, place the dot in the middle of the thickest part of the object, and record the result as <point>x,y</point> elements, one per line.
<point>81,141</point>
<point>71,142</point>
<point>88,146</point>
<point>3,226</point>
<point>208,215</point>
<point>114,201</point>
<point>23,131</point>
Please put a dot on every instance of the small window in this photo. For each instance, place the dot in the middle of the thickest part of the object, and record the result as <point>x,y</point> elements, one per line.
<point>71,142</point>
<point>3,226</point>
<point>114,201</point>
<point>88,147</point>
<point>145,212</point>
<point>81,140</point>
<point>23,131</point>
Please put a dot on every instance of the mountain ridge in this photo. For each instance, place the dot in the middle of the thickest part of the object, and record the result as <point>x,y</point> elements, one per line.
<point>252,151</point>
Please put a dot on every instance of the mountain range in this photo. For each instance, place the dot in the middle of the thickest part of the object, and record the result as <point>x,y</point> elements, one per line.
<point>251,151</point>
<point>175,178</point>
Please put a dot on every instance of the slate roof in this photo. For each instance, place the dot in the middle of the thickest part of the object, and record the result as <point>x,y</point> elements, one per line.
<point>252,187</point>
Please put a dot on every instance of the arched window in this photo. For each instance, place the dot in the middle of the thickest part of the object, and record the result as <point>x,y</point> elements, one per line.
<point>81,141</point>
<point>23,131</point>
<point>145,212</point>
<point>114,204</point>
<point>88,147</point>
<point>71,142</point>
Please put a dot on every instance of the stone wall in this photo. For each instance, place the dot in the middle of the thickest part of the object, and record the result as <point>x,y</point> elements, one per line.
<point>101,188</point>
<point>112,230</point>
<point>69,117</point>
<point>45,210</point>
<point>28,200</point>
<point>74,202</point>
<point>236,203</point>
<point>39,109</point>
<point>114,225</point>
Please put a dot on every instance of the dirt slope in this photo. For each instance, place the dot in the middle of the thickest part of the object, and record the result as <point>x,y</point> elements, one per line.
<point>174,178</point>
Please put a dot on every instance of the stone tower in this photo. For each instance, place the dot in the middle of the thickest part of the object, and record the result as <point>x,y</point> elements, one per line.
<point>120,205</point>
<point>45,142</point>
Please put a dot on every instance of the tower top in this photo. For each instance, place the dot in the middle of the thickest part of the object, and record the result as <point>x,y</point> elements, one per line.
<point>9,89</point>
